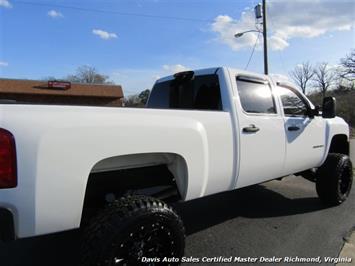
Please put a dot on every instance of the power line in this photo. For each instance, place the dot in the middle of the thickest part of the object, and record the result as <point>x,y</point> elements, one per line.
<point>252,53</point>
<point>111,12</point>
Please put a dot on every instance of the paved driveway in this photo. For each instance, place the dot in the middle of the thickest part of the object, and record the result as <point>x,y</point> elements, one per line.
<point>352,151</point>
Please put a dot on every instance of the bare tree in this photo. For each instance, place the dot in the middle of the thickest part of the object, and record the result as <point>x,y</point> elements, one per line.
<point>143,96</point>
<point>137,100</point>
<point>324,77</point>
<point>302,74</point>
<point>133,101</point>
<point>88,74</point>
<point>347,69</point>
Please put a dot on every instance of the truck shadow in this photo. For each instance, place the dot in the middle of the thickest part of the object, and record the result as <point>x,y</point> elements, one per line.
<point>252,202</point>
<point>55,250</point>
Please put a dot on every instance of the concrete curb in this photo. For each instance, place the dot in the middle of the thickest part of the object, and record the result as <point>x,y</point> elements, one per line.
<point>348,250</point>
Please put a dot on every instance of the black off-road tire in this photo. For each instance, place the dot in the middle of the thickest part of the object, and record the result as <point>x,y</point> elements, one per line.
<point>131,228</point>
<point>334,179</point>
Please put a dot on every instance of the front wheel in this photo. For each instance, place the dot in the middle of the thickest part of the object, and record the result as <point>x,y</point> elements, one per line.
<point>132,231</point>
<point>334,179</point>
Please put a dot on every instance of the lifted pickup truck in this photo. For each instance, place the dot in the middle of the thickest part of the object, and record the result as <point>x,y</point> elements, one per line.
<point>112,171</point>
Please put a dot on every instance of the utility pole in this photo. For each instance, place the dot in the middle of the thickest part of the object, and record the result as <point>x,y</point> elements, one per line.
<point>266,67</point>
<point>260,12</point>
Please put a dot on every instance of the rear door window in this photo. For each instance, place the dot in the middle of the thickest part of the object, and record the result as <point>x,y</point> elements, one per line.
<point>255,96</point>
<point>200,93</point>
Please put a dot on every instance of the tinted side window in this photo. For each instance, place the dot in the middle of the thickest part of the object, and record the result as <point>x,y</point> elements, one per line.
<point>159,97</point>
<point>293,104</point>
<point>256,97</point>
<point>201,93</point>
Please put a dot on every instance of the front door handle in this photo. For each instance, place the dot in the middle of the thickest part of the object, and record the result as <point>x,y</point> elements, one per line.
<point>293,128</point>
<point>251,129</point>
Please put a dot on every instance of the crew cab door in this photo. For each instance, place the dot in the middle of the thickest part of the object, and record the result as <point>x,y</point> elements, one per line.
<point>305,134</point>
<point>261,130</point>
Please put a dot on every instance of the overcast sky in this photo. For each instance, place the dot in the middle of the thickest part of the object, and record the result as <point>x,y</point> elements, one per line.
<point>135,42</point>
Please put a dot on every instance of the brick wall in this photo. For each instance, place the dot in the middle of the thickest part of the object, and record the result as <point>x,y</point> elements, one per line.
<point>37,92</point>
<point>61,100</point>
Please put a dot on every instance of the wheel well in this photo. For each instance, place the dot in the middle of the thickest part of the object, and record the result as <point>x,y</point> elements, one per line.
<point>339,144</point>
<point>161,175</point>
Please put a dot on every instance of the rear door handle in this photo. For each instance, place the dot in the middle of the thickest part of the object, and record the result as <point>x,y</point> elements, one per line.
<point>293,128</point>
<point>251,129</point>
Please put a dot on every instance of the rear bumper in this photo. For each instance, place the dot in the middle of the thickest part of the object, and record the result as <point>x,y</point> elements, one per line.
<point>7,229</point>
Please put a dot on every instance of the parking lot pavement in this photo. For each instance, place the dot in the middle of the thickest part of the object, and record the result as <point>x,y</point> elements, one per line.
<point>352,151</point>
<point>278,218</point>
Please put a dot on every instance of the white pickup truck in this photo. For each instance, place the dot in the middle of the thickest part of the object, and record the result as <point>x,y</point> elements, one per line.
<point>112,171</point>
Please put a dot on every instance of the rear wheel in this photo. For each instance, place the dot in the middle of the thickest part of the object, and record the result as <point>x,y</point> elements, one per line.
<point>132,229</point>
<point>334,179</point>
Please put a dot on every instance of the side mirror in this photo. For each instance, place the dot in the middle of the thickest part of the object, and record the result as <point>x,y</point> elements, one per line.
<point>328,110</point>
<point>314,111</point>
